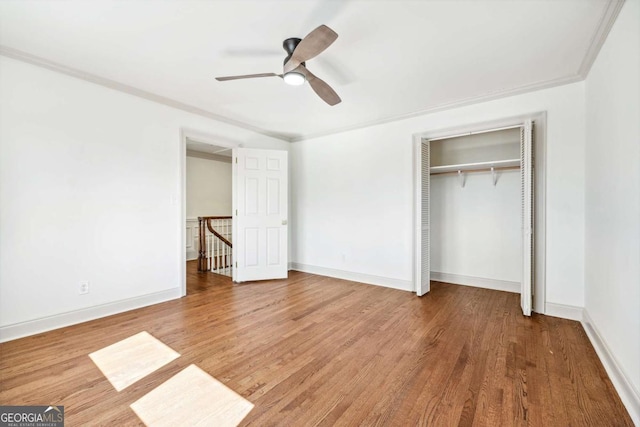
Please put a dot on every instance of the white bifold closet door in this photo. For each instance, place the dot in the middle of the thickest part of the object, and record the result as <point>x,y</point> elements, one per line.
<point>424,271</point>
<point>527,195</point>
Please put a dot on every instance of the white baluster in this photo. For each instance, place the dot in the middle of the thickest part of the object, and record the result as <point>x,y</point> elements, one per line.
<point>223,230</point>
<point>217,247</point>
<point>224,259</point>
<point>208,251</point>
<point>217,254</point>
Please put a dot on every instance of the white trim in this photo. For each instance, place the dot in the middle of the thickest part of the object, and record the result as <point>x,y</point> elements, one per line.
<point>150,96</point>
<point>477,282</point>
<point>628,393</point>
<point>417,213</point>
<point>191,249</point>
<point>387,282</point>
<point>182,196</point>
<point>32,327</point>
<point>547,84</point>
<point>54,66</point>
<point>540,120</point>
<point>540,216</point>
<point>610,13</point>
<point>607,20</point>
<point>195,135</point>
<point>570,312</point>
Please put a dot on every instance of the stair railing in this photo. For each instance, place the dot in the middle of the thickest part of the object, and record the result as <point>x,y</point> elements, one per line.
<point>215,252</point>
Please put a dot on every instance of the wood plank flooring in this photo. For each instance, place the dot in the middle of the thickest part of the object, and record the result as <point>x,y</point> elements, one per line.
<point>312,350</point>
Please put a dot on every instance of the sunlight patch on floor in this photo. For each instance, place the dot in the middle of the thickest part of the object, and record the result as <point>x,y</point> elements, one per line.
<point>192,397</point>
<point>133,358</point>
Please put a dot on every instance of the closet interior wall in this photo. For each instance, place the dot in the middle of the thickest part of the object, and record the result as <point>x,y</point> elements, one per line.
<point>476,236</point>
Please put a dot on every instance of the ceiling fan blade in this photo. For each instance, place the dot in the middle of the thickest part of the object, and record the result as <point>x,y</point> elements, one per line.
<point>246,76</point>
<point>320,87</point>
<point>313,44</point>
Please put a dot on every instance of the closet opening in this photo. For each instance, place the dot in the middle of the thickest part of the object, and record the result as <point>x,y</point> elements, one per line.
<point>479,195</point>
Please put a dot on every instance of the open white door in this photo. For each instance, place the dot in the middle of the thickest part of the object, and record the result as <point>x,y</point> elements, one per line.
<point>423,271</point>
<point>527,193</point>
<point>259,214</point>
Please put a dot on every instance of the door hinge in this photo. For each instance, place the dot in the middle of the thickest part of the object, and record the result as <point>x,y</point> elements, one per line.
<point>236,160</point>
<point>236,212</point>
<point>236,264</point>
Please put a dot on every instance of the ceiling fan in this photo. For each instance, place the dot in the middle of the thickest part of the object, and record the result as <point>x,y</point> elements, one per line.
<point>295,71</point>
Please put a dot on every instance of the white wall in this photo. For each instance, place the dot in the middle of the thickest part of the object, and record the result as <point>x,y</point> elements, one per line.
<point>208,187</point>
<point>612,202</point>
<point>353,192</point>
<point>90,189</point>
<point>476,230</point>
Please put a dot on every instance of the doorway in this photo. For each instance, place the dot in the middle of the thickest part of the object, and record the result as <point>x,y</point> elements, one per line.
<point>207,204</point>
<point>257,218</point>
<point>534,184</point>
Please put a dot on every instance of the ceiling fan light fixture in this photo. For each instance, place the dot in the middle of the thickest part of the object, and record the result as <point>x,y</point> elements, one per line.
<point>294,79</point>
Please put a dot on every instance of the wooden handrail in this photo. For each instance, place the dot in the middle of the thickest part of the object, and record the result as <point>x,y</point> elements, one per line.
<point>218,235</point>
<point>202,253</point>
<point>213,217</point>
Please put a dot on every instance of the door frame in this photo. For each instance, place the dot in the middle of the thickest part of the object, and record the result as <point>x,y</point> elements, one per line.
<point>194,135</point>
<point>540,119</point>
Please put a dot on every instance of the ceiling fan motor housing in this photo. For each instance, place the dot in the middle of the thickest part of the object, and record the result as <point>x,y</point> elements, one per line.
<point>290,45</point>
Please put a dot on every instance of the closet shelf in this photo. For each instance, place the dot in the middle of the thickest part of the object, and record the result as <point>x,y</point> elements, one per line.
<point>498,164</point>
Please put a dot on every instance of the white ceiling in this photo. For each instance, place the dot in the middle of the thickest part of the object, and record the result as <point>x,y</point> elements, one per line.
<point>392,59</point>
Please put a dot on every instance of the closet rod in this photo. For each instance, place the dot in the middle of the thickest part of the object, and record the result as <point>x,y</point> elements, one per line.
<point>475,133</point>
<point>497,168</point>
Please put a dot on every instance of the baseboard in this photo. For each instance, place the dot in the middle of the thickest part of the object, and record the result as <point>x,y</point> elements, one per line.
<point>628,394</point>
<point>387,282</point>
<point>478,282</point>
<point>191,255</point>
<point>32,327</point>
<point>570,312</point>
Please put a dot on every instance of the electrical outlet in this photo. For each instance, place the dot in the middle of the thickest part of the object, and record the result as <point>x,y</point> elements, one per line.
<point>83,288</point>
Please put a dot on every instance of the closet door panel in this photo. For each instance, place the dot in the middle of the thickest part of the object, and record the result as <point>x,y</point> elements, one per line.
<point>424,284</point>
<point>527,195</point>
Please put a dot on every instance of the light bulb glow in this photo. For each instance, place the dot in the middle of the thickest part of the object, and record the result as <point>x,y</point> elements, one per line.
<point>294,79</point>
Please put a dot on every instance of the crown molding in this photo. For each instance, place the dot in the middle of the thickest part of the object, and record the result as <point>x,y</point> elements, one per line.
<point>149,96</point>
<point>608,18</point>
<point>546,84</point>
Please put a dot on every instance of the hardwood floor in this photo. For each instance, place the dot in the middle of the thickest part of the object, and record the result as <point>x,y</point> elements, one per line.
<point>313,350</point>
